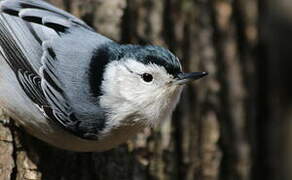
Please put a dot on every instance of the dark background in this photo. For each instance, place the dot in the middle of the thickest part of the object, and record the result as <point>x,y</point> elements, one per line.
<point>236,124</point>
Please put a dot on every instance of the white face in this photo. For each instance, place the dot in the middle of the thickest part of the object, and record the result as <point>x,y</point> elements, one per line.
<point>131,87</point>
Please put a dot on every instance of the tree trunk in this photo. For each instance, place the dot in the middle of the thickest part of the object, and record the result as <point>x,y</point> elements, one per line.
<point>275,52</point>
<point>212,134</point>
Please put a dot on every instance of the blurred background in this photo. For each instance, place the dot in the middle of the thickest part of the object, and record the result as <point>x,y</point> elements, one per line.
<point>235,124</point>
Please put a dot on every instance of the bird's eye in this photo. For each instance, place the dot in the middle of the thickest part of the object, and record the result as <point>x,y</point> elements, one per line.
<point>147,77</point>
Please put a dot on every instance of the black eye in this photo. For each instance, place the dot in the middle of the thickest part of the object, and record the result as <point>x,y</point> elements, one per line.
<point>147,77</point>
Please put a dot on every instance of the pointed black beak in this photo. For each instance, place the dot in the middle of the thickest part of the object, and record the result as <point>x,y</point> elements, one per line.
<point>184,78</point>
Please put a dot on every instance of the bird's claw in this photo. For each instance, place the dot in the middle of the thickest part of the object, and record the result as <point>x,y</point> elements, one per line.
<point>5,122</point>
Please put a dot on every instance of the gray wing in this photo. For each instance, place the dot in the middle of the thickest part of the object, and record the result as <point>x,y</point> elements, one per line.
<point>16,57</point>
<point>53,83</point>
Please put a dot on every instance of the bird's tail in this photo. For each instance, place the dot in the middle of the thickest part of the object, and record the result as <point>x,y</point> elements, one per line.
<point>41,12</point>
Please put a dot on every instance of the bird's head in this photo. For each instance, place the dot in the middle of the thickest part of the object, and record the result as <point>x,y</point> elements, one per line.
<point>146,80</point>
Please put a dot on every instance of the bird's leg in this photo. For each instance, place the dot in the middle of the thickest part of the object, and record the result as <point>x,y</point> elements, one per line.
<point>5,120</point>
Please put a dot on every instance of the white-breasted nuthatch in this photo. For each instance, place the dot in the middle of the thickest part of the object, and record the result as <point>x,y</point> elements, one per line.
<point>76,89</point>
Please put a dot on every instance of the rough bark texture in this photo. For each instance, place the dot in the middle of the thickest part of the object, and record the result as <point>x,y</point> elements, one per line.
<point>226,125</point>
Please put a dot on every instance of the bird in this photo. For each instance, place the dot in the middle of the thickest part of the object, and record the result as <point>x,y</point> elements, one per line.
<point>76,89</point>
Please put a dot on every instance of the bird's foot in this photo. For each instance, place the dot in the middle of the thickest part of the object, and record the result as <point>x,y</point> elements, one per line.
<point>5,122</point>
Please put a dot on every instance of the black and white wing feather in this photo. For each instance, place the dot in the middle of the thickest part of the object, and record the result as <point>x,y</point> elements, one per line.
<point>41,12</point>
<point>16,58</point>
<point>50,76</point>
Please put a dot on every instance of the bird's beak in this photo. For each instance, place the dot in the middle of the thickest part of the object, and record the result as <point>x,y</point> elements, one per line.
<point>184,78</point>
